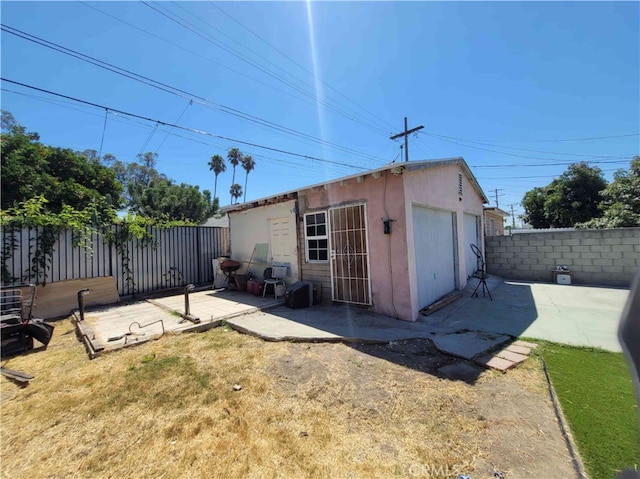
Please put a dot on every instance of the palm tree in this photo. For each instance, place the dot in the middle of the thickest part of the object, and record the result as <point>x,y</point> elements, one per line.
<point>235,157</point>
<point>217,165</point>
<point>236,192</point>
<point>248,163</point>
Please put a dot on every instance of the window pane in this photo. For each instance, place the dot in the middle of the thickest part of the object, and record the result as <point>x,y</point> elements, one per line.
<point>311,219</point>
<point>323,255</point>
<point>313,255</point>
<point>322,230</point>
<point>322,243</point>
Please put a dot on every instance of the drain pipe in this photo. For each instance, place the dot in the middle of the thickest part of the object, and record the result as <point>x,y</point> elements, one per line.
<point>81,294</point>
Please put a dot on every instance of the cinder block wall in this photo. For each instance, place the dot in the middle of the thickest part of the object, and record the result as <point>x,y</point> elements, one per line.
<point>599,257</point>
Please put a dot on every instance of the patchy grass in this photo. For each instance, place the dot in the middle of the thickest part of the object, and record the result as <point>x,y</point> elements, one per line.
<point>597,397</point>
<point>168,409</point>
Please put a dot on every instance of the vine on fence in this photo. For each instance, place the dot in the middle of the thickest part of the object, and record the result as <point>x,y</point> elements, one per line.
<point>98,219</point>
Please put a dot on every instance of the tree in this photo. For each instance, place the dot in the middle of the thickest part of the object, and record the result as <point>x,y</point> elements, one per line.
<point>60,175</point>
<point>248,164</point>
<point>217,165</point>
<point>152,194</point>
<point>165,200</point>
<point>621,200</point>
<point>234,156</point>
<point>533,204</point>
<point>236,192</point>
<point>572,198</point>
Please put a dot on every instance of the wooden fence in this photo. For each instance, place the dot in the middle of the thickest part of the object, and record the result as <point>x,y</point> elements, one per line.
<point>170,258</point>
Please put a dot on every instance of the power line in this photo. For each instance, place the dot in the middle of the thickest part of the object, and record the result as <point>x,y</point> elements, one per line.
<point>504,152</point>
<point>193,130</point>
<point>197,31</point>
<point>300,66</point>
<point>115,117</point>
<point>549,141</point>
<point>179,92</point>
<point>521,149</point>
<point>218,64</point>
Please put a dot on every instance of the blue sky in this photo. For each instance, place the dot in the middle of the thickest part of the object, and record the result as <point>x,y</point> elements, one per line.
<point>493,82</point>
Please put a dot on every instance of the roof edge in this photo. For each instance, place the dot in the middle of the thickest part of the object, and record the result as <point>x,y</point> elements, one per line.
<point>411,165</point>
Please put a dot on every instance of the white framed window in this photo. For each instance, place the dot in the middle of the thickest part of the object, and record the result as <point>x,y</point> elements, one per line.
<point>316,237</point>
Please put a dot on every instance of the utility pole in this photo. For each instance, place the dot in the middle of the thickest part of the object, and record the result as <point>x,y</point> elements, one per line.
<point>406,134</point>
<point>513,218</point>
<point>496,190</point>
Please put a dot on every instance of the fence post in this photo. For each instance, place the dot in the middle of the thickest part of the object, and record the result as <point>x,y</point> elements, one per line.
<point>198,253</point>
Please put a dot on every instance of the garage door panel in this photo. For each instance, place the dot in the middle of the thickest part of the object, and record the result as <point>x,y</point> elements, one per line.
<point>471,237</point>
<point>434,248</point>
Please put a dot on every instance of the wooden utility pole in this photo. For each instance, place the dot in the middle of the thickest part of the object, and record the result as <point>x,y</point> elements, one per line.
<point>406,134</point>
<point>513,218</point>
<point>496,190</point>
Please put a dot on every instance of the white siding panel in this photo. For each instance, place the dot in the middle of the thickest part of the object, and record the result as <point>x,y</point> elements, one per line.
<point>471,237</point>
<point>434,244</point>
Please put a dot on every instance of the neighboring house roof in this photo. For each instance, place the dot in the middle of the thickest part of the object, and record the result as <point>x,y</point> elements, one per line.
<point>217,221</point>
<point>496,211</point>
<point>395,168</point>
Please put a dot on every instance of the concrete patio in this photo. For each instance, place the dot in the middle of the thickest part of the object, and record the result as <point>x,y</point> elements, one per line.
<point>578,315</point>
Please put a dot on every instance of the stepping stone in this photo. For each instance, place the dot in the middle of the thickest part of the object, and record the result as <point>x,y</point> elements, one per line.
<point>511,356</point>
<point>518,349</point>
<point>525,344</point>
<point>494,362</point>
<point>460,371</point>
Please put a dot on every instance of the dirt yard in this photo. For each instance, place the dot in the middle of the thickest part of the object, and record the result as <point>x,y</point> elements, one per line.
<point>222,404</point>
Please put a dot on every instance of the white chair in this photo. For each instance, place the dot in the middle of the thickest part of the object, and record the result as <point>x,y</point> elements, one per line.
<point>277,275</point>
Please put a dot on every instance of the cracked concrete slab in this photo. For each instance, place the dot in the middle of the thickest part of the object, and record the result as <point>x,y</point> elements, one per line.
<point>469,344</point>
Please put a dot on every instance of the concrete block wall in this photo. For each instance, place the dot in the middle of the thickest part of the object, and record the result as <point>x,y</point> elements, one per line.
<point>599,257</point>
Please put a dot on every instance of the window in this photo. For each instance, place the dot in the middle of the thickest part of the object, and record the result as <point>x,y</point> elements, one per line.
<point>460,184</point>
<point>316,238</point>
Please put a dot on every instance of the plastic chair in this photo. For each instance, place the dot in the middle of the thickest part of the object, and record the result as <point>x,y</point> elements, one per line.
<point>275,277</point>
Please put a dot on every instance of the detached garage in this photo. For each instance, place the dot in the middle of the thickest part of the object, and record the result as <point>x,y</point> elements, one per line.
<point>394,239</point>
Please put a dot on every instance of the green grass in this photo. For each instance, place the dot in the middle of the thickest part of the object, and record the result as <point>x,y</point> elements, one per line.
<point>598,399</point>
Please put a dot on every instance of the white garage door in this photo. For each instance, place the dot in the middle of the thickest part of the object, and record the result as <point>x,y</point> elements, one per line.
<point>471,237</point>
<point>434,244</point>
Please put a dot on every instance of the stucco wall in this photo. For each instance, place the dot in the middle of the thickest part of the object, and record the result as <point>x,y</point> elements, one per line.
<point>600,257</point>
<point>384,198</point>
<point>249,227</point>
<point>438,188</point>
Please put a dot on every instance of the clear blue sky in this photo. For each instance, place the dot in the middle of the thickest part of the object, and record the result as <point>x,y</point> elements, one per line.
<point>490,81</point>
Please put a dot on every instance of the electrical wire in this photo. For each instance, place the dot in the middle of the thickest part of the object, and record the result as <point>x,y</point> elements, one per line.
<point>171,129</point>
<point>300,66</point>
<point>104,128</point>
<point>193,130</point>
<point>509,154</point>
<point>592,138</point>
<point>198,55</point>
<point>181,93</point>
<point>115,117</point>
<point>525,149</point>
<point>197,31</point>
